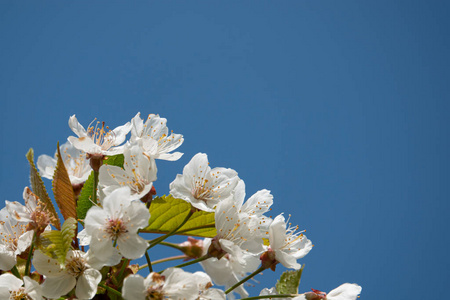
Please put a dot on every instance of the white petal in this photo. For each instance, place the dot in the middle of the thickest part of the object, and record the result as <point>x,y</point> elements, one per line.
<point>120,133</point>
<point>32,288</point>
<point>76,127</point>
<point>55,287</point>
<point>133,288</point>
<point>46,265</point>
<point>87,284</point>
<point>85,144</point>
<point>132,246</point>
<point>277,232</point>
<point>24,242</point>
<point>84,238</point>
<point>170,156</point>
<point>109,256</point>
<point>46,166</point>
<point>346,291</point>
<point>137,126</point>
<point>10,281</point>
<point>287,260</point>
<point>7,258</point>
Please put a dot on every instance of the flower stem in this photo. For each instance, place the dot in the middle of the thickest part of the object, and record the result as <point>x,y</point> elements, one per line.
<point>164,260</point>
<point>171,245</point>
<point>162,238</point>
<point>205,257</point>
<point>16,272</point>
<point>149,262</point>
<point>110,289</point>
<point>94,190</point>
<point>124,266</point>
<point>260,269</point>
<point>30,254</point>
<point>270,297</point>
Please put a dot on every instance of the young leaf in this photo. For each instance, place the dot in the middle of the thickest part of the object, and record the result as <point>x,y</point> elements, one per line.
<point>115,160</point>
<point>38,187</point>
<point>55,243</point>
<point>84,200</point>
<point>289,282</point>
<point>167,213</point>
<point>63,191</point>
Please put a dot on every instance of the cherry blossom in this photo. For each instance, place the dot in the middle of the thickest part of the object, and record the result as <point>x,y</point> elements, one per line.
<point>286,244</point>
<point>75,161</point>
<point>118,222</point>
<point>202,186</point>
<point>12,287</point>
<point>60,279</point>
<point>98,139</point>
<point>14,239</point>
<point>154,139</point>
<point>138,174</point>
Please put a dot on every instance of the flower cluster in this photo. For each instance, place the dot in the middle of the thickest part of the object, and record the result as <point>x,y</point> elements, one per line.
<point>103,184</point>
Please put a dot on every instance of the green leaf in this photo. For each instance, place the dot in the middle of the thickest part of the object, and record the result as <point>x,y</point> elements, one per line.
<point>55,243</point>
<point>38,187</point>
<point>167,213</point>
<point>85,197</point>
<point>115,160</point>
<point>63,190</point>
<point>289,282</point>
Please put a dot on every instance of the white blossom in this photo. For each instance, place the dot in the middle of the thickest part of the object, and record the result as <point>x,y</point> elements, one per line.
<point>118,221</point>
<point>138,174</point>
<point>98,139</point>
<point>75,161</point>
<point>172,284</point>
<point>154,139</point>
<point>287,244</point>
<point>60,279</point>
<point>14,239</point>
<point>228,271</point>
<point>202,187</point>
<point>255,207</point>
<point>12,287</point>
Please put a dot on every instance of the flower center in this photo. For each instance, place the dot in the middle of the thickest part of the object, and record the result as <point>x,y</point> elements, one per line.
<point>76,266</point>
<point>101,136</point>
<point>155,292</point>
<point>115,227</point>
<point>202,190</point>
<point>10,233</point>
<point>19,295</point>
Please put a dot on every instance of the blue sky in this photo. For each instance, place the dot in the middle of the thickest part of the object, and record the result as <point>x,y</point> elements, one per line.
<point>340,108</point>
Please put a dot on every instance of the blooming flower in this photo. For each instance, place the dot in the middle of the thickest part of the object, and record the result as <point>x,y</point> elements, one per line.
<point>60,279</point>
<point>228,270</point>
<point>14,239</point>
<point>138,174</point>
<point>117,221</point>
<point>173,284</point>
<point>255,207</point>
<point>98,140</point>
<point>34,212</point>
<point>74,160</point>
<point>234,234</point>
<point>153,135</point>
<point>346,291</point>
<point>11,288</point>
<point>287,245</point>
<point>203,187</point>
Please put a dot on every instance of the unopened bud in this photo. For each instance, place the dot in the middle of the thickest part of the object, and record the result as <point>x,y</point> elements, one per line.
<point>193,248</point>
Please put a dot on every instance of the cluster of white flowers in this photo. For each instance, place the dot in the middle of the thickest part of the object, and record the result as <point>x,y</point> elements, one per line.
<point>38,262</point>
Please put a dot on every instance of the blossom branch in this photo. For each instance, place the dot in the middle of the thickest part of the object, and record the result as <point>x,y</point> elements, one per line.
<point>260,269</point>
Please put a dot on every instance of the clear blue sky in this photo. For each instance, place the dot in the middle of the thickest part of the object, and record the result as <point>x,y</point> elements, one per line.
<point>340,108</point>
